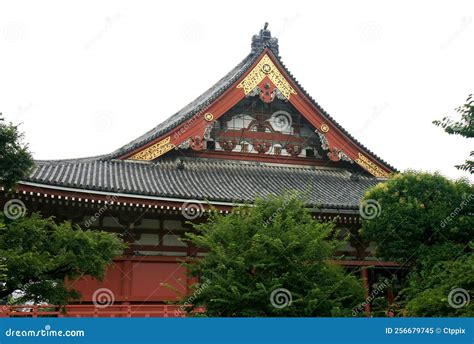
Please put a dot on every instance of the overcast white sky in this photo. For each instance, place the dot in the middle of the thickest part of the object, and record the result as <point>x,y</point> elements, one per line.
<point>86,78</point>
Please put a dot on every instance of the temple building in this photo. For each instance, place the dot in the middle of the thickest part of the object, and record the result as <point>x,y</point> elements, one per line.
<point>255,133</point>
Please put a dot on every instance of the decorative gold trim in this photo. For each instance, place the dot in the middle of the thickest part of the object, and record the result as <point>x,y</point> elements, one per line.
<point>324,128</point>
<point>208,117</point>
<point>154,151</point>
<point>266,68</point>
<point>368,165</point>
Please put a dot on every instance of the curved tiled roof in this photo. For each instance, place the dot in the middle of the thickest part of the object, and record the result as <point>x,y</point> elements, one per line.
<point>203,179</point>
<point>259,44</point>
<point>212,180</point>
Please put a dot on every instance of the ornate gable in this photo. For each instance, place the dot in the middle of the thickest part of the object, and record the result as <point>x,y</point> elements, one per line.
<point>262,114</point>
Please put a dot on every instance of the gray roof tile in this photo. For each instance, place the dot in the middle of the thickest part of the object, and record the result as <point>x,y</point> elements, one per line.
<point>212,180</point>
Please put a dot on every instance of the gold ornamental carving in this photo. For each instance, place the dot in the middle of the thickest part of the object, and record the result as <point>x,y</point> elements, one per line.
<point>324,128</point>
<point>154,151</point>
<point>368,165</point>
<point>209,117</point>
<point>266,68</point>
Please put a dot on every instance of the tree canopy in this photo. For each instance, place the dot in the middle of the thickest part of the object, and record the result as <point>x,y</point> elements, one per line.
<point>271,259</point>
<point>15,158</point>
<point>420,212</point>
<point>37,254</point>
<point>426,223</point>
<point>41,255</point>
<point>464,127</point>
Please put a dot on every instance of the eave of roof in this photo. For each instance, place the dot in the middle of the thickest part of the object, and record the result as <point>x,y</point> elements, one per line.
<point>211,180</point>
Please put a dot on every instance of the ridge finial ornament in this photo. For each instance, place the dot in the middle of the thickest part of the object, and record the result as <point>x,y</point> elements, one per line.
<point>264,40</point>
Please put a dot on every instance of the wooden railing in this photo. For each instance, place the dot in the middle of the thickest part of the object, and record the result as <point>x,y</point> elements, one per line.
<point>91,311</point>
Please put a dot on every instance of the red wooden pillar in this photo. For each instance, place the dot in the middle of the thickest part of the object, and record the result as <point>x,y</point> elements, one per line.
<point>127,280</point>
<point>365,278</point>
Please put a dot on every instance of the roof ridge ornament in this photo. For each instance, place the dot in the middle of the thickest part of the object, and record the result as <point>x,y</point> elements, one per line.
<point>265,40</point>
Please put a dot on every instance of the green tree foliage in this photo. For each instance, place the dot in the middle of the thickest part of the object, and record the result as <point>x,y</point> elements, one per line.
<point>441,289</point>
<point>463,127</point>
<point>15,159</point>
<point>426,223</point>
<point>258,249</point>
<point>40,256</point>
<point>421,213</point>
